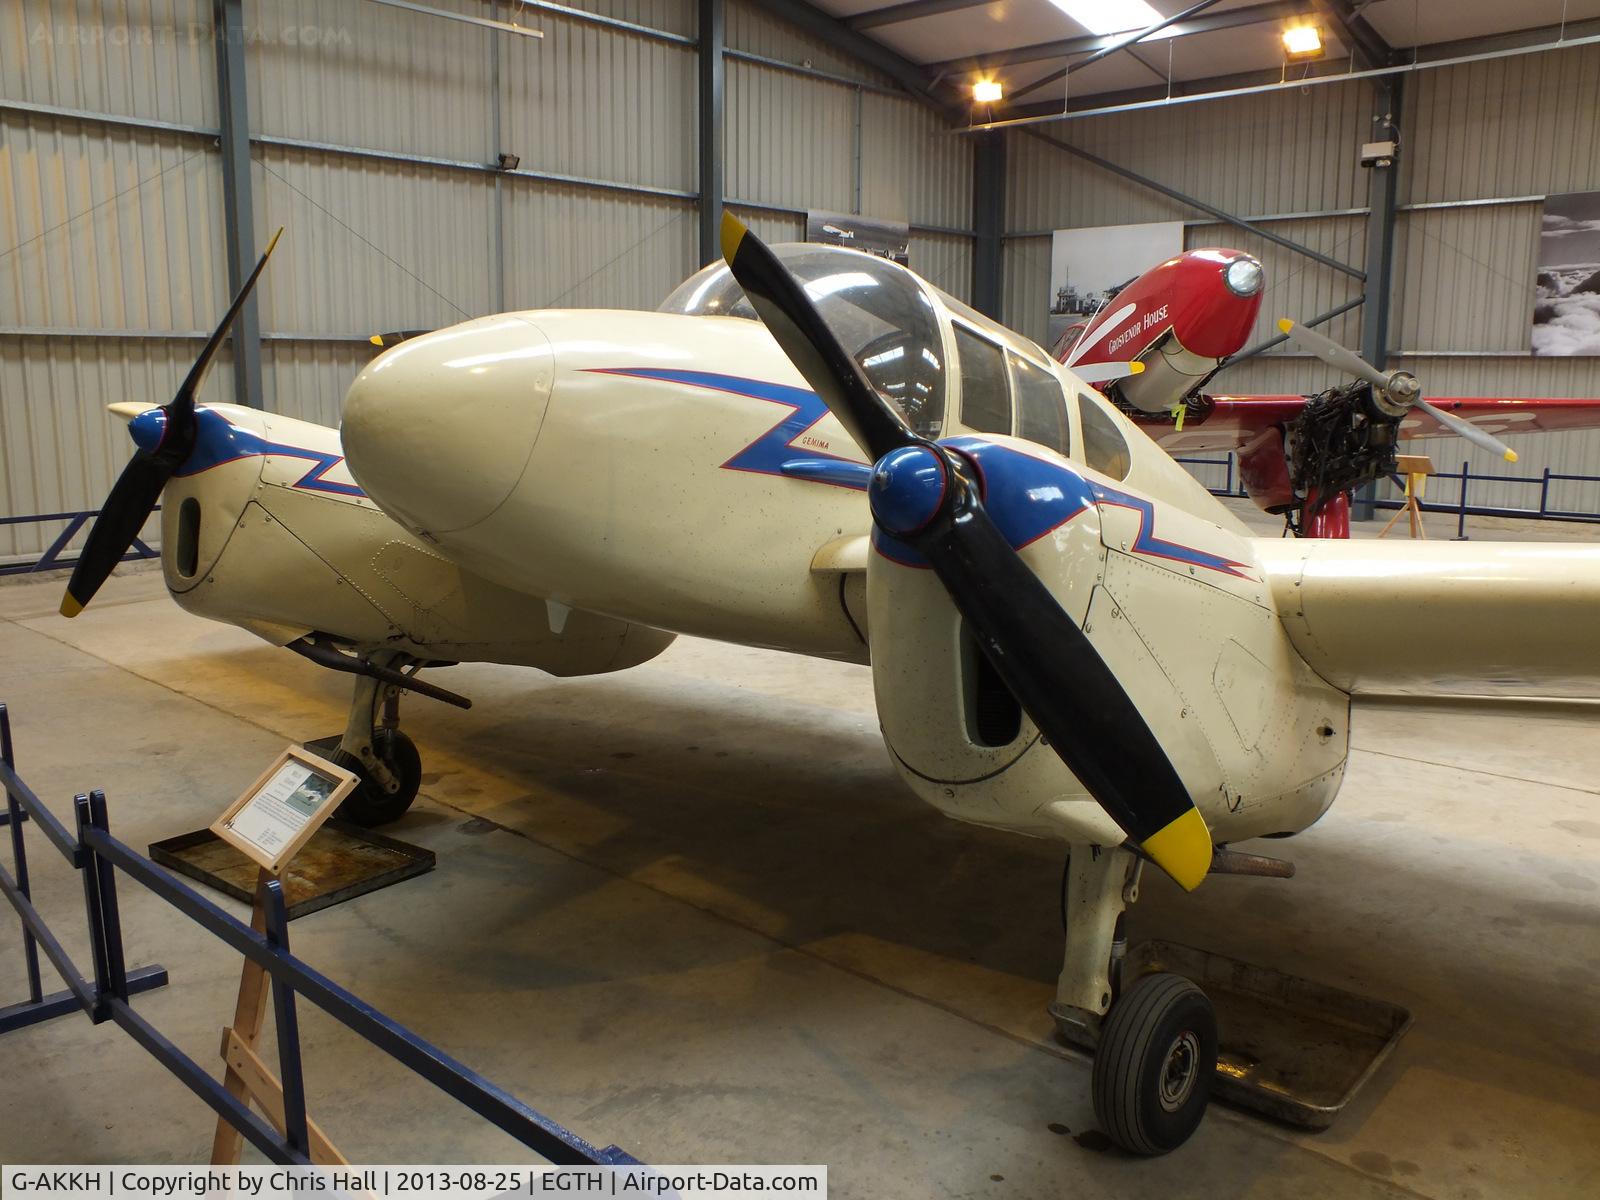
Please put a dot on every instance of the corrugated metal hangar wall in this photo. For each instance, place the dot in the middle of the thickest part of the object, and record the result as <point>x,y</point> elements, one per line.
<point>1481,145</point>
<point>373,130</point>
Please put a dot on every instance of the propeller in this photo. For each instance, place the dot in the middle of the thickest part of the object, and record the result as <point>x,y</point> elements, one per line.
<point>1401,387</point>
<point>137,489</point>
<point>923,495</point>
<point>1105,372</point>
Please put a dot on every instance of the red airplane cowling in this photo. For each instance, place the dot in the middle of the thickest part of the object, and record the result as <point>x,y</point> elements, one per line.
<point>1206,299</point>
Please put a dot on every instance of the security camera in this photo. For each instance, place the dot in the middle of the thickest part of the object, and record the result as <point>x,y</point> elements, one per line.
<point>1378,154</point>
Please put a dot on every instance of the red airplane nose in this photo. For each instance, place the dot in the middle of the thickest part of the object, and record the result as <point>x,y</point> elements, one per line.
<point>1219,295</point>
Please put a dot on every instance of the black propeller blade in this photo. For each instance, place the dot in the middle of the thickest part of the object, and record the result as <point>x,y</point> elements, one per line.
<point>922,496</point>
<point>139,487</point>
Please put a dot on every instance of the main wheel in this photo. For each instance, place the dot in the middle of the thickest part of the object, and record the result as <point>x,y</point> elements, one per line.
<point>1152,1072</point>
<point>370,804</point>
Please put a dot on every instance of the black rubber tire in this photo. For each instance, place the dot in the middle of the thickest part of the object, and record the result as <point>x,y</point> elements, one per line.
<point>1161,1018</point>
<point>369,804</point>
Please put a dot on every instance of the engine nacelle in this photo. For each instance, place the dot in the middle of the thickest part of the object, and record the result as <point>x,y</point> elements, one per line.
<point>264,528</point>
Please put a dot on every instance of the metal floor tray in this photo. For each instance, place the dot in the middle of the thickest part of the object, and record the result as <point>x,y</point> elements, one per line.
<point>1288,1048</point>
<point>340,862</point>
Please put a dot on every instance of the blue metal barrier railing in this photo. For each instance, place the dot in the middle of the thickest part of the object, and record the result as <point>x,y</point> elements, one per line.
<point>1462,508</point>
<point>51,559</point>
<point>99,856</point>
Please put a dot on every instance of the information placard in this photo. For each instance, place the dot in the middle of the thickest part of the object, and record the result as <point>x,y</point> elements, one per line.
<point>284,807</point>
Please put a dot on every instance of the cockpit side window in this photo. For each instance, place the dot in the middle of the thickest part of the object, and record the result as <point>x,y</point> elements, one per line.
<point>1104,447</point>
<point>1041,405</point>
<point>985,394</point>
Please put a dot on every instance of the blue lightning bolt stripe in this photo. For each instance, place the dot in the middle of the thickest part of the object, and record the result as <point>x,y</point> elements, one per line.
<point>774,452</point>
<point>1028,497</point>
<point>219,441</point>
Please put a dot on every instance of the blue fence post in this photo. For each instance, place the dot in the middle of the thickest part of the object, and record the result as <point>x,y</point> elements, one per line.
<point>110,916</point>
<point>19,859</point>
<point>1461,505</point>
<point>288,1025</point>
<point>94,911</point>
<point>1544,493</point>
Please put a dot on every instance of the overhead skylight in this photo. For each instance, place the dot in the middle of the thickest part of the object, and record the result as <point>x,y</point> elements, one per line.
<point>1109,16</point>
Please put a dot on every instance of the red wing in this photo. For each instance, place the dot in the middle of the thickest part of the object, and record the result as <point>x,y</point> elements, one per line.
<point>1231,422</point>
<point>1234,420</point>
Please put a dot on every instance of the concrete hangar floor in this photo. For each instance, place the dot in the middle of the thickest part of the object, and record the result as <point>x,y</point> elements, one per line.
<point>689,909</point>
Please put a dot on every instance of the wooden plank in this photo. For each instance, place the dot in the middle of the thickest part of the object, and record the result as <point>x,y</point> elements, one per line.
<point>267,1092</point>
<point>248,1014</point>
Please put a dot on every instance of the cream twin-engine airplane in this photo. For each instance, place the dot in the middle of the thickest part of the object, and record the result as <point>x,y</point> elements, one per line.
<point>814,450</point>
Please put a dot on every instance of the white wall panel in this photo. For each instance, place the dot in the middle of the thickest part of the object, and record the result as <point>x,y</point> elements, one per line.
<point>136,58</point>
<point>360,74</point>
<point>1464,277</point>
<point>1516,126</point>
<point>788,139</point>
<point>108,228</point>
<point>592,102</point>
<point>913,168</point>
<point>944,261</point>
<point>669,16</point>
<point>308,380</point>
<point>370,245</point>
<point>752,28</point>
<point>568,248</point>
<point>772,227</point>
<point>1287,152</point>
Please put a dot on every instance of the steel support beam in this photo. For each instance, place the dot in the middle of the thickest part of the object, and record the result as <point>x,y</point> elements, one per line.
<point>1383,202</point>
<point>1383,197</point>
<point>711,76</point>
<point>1210,210</point>
<point>1120,42</point>
<point>238,212</point>
<point>835,33</point>
<point>988,221</point>
<point>914,11</point>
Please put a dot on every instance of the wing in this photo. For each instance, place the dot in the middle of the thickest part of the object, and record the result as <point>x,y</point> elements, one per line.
<point>1429,618</point>
<point>1231,422</point>
<point>1496,416</point>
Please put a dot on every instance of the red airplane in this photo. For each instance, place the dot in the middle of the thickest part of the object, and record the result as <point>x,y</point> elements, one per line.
<point>1299,456</point>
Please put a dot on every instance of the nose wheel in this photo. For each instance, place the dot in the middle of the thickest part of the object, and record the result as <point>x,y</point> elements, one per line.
<point>1154,1036</point>
<point>384,759</point>
<point>377,800</point>
<point>1153,1069</point>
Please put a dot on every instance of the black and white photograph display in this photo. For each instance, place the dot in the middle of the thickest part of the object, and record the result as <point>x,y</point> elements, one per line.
<point>886,239</point>
<point>1566,305</point>
<point>1089,266</point>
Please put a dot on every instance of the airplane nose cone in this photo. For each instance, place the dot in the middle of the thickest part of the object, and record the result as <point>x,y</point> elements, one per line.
<point>439,429</point>
<point>146,428</point>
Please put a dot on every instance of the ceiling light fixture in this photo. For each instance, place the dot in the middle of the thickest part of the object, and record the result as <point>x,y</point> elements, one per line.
<point>987,91</point>
<point>1303,41</point>
<point>1110,16</point>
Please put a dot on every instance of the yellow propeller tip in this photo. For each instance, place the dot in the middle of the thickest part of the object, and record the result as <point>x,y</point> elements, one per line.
<point>733,231</point>
<point>274,242</point>
<point>1285,325</point>
<point>1182,848</point>
<point>1136,368</point>
<point>69,606</point>
<point>1511,456</point>
<point>376,339</point>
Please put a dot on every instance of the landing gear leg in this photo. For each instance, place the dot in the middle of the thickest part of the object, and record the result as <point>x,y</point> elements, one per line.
<point>385,759</point>
<point>1156,1037</point>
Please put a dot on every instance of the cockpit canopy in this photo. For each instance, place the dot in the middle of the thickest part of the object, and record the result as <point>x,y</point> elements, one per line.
<point>904,333</point>
<point>883,314</point>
